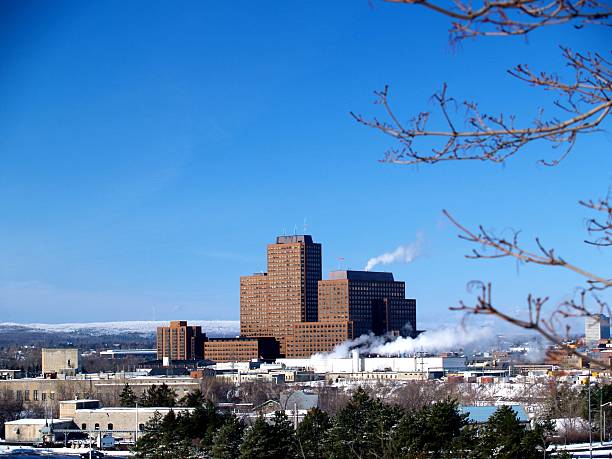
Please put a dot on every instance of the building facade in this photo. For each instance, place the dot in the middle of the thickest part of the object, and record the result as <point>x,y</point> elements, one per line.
<point>373,301</point>
<point>596,327</point>
<point>60,362</point>
<point>287,294</point>
<point>240,349</point>
<point>180,341</point>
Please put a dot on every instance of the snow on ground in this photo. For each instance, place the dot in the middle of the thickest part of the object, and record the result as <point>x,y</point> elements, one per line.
<point>11,450</point>
<point>144,327</point>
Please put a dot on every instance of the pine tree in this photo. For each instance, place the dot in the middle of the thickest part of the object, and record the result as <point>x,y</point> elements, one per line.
<point>311,432</point>
<point>127,398</point>
<point>257,441</point>
<point>363,428</point>
<point>162,396</point>
<point>501,436</point>
<point>193,399</point>
<point>227,440</point>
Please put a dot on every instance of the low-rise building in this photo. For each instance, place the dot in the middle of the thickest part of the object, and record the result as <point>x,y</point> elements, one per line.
<point>35,431</point>
<point>240,349</point>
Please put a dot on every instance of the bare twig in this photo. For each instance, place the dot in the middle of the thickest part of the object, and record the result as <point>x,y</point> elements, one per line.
<point>514,17</point>
<point>495,138</point>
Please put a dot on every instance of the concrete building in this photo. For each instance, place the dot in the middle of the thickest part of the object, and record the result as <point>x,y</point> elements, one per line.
<point>596,328</point>
<point>46,393</point>
<point>240,349</point>
<point>430,366</point>
<point>271,303</point>
<point>180,341</point>
<point>60,362</point>
<point>34,431</point>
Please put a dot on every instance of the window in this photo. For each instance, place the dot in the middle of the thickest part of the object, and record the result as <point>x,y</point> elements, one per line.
<point>141,427</point>
<point>27,395</point>
<point>83,426</point>
<point>44,396</point>
<point>110,426</point>
<point>18,395</point>
<point>52,395</point>
<point>35,395</point>
<point>97,426</point>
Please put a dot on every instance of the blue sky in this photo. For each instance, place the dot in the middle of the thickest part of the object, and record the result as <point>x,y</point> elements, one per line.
<point>150,151</point>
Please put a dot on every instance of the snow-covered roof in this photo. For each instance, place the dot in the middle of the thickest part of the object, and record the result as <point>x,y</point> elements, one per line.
<point>36,421</point>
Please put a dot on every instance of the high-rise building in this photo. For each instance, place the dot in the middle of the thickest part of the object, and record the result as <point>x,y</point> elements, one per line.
<point>374,301</point>
<point>596,327</point>
<point>180,341</point>
<point>287,294</point>
<point>351,304</point>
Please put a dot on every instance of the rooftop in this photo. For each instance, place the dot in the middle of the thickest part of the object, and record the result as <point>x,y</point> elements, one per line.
<point>303,238</point>
<point>481,414</point>
<point>362,276</point>
<point>41,422</point>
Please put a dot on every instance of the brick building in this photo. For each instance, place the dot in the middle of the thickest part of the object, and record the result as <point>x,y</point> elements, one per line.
<point>240,349</point>
<point>270,303</point>
<point>180,341</point>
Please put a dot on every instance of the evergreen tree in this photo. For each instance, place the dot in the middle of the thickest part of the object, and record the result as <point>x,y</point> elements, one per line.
<point>227,440</point>
<point>269,441</point>
<point>127,398</point>
<point>162,396</point>
<point>150,438</point>
<point>311,432</point>
<point>363,428</point>
<point>433,431</point>
<point>502,436</point>
<point>257,440</point>
<point>193,399</point>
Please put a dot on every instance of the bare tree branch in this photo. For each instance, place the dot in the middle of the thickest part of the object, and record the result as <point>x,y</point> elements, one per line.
<point>546,328</point>
<point>514,17</point>
<point>502,247</point>
<point>495,138</point>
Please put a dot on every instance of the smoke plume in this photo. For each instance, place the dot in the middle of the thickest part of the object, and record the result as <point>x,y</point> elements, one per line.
<point>403,254</point>
<point>443,339</point>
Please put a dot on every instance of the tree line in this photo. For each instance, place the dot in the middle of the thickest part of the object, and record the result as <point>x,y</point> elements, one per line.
<point>364,428</point>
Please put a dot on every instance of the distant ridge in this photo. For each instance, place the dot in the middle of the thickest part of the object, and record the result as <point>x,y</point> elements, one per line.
<point>212,328</point>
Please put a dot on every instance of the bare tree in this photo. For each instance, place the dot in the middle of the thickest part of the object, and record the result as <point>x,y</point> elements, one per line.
<point>584,103</point>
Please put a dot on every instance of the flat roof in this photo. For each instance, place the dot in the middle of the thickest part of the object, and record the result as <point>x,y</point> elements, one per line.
<point>36,421</point>
<point>122,409</point>
<point>379,276</point>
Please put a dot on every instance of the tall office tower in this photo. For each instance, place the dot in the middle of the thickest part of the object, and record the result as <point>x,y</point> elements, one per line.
<point>351,304</point>
<point>596,327</point>
<point>180,341</point>
<point>289,291</point>
<point>254,306</point>
<point>373,301</point>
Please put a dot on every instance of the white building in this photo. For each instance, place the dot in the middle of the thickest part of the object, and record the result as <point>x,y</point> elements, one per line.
<point>596,327</point>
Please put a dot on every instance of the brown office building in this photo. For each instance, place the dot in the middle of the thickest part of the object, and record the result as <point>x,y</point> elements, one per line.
<point>351,304</point>
<point>288,294</point>
<point>240,349</point>
<point>374,301</point>
<point>180,341</point>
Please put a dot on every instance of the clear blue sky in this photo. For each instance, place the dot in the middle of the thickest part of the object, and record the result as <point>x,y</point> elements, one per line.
<point>150,150</point>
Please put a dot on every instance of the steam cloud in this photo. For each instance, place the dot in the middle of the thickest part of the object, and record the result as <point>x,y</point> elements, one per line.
<point>443,339</point>
<point>403,254</point>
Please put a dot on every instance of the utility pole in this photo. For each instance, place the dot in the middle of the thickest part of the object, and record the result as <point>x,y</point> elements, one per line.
<point>590,426</point>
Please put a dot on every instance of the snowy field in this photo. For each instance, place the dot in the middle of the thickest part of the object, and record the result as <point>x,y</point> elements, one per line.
<point>142,327</point>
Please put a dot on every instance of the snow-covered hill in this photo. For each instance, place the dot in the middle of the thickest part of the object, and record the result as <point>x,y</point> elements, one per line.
<point>210,327</point>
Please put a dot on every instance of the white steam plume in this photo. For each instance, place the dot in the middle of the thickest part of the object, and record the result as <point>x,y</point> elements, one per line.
<point>443,339</point>
<point>403,254</point>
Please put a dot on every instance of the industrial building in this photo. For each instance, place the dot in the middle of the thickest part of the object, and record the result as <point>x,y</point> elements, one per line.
<point>240,349</point>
